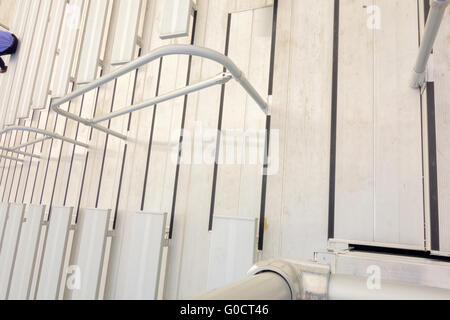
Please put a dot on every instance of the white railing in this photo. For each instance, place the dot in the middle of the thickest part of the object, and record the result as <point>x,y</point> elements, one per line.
<point>233,72</point>
<point>434,21</point>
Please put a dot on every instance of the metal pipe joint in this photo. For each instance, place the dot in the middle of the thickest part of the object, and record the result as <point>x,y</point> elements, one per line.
<point>307,280</point>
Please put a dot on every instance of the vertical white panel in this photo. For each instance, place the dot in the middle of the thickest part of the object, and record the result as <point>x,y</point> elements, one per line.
<point>442,98</point>
<point>54,254</point>
<point>126,33</point>
<point>176,18</point>
<point>90,49</point>
<point>3,216</point>
<point>18,28</point>
<point>92,240</point>
<point>26,254</point>
<point>379,186</point>
<point>140,261</point>
<point>47,62</point>
<point>23,58</point>
<point>355,174</point>
<point>64,62</point>
<point>40,35</point>
<point>399,215</point>
<point>232,250</point>
<point>9,246</point>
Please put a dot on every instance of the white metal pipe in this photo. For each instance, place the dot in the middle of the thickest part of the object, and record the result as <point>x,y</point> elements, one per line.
<point>45,133</point>
<point>217,80</point>
<point>11,158</point>
<point>151,56</point>
<point>20,152</point>
<point>434,21</point>
<point>343,287</point>
<point>30,143</point>
<point>89,123</point>
<point>263,286</point>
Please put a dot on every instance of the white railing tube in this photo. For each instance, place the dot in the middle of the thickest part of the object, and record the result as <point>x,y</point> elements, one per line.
<point>434,21</point>
<point>217,80</point>
<point>190,50</point>
<point>30,143</point>
<point>44,133</point>
<point>26,154</point>
<point>11,158</point>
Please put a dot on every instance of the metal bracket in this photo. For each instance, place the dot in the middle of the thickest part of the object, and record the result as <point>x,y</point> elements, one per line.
<point>338,246</point>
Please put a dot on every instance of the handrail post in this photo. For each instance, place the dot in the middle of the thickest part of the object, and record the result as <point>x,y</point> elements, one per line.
<point>434,21</point>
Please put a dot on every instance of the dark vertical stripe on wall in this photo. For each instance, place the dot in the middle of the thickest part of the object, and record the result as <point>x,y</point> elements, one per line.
<point>180,143</point>
<point>16,163</point>
<point>5,144</point>
<point>219,135</point>
<point>86,160</point>
<point>150,142</point>
<point>124,159</point>
<point>134,91</point>
<point>9,169</point>
<point>41,150</point>
<point>73,153</point>
<point>418,22</point>
<point>12,180</point>
<point>49,153</point>
<point>29,167</point>
<point>262,214</point>
<point>18,184</point>
<point>81,187</point>
<point>262,217</point>
<point>58,164</point>
<point>334,98</point>
<point>120,185</point>
<point>432,154</point>
<point>273,47</point>
<point>427,8</point>
<point>106,146</point>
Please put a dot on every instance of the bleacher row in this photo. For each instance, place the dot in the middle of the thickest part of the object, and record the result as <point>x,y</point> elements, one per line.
<point>33,263</point>
<point>39,258</point>
<point>39,261</point>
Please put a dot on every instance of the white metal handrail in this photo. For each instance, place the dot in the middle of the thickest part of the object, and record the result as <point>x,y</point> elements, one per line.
<point>47,135</point>
<point>434,21</point>
<point>232,72</point>
<point>230,66</point>
<point>26,154</point>
<point>11,158</point>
